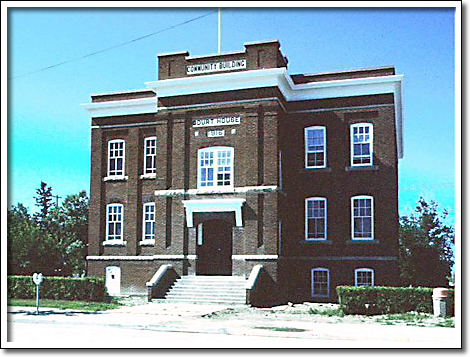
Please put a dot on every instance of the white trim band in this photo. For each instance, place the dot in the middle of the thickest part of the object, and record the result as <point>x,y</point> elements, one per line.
<point>255,257</point>
<point>193,191</point>
<point>142,257</point>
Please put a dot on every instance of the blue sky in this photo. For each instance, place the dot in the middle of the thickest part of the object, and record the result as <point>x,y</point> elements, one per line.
<point>49,132</point>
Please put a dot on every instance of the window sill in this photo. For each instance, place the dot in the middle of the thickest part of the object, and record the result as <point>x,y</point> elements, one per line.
<point>116,243</point>
<point>148,176</point>
<point>316,169</point>
<point>115,178</point>
<point>147,242</point>
<point>362,241</point>
<point>362,168</point>
<point>317,241</point>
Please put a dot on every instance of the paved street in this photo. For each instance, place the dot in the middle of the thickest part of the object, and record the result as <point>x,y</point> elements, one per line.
<point>181,326</point>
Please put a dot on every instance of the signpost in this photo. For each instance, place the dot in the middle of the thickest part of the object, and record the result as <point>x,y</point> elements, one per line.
<point>37,278</point>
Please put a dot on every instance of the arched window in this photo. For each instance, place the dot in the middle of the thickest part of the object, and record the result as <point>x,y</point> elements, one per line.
<point>362,218</point>
<point>361,144</point>
<point>114,222</point>
<point>150,155</point>
<point>364,277</point>
<point>315,147</point>
<point>148,222</point>
<point>215,167</point>
<point>315,218</point>
<point>116,155</point>
<point>320,282</point>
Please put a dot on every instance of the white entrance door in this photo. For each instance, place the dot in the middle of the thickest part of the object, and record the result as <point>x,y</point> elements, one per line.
<point>113,280</point>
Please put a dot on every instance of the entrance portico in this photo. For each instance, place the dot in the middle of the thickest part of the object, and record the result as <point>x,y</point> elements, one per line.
<point>214,232</point>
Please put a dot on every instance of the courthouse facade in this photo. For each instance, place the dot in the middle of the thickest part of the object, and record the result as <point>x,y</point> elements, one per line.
<point>228,162</point>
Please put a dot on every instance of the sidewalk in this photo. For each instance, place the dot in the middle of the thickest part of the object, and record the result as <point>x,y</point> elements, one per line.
<point>189,318</point>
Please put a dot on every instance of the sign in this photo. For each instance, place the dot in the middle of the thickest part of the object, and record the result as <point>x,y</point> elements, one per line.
<point>215,133</point>
<point>231,120</point>
<point>38,278</point>
<point>216,66</point>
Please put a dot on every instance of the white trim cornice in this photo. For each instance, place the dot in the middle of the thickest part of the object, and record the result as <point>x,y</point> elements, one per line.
<point>122,107</point>
<point>262,78</point>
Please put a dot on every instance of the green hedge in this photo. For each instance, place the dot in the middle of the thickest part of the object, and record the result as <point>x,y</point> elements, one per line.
<point>367,300</point>
<point>57,288</point>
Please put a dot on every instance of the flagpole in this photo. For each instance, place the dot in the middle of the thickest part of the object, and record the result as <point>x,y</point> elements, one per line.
<point>218,42</point>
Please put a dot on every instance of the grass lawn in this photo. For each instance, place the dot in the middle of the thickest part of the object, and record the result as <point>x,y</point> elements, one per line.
<point>65,304</point>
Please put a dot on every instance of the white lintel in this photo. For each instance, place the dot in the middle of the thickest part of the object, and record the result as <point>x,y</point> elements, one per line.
<point>214,205</point>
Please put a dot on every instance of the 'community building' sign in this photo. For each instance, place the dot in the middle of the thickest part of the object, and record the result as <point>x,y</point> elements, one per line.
<point>216,66</point>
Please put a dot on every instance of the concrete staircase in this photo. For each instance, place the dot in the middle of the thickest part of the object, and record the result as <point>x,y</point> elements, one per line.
<point>207,289</point>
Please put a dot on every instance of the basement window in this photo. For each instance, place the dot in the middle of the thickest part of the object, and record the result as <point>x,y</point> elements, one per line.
<point>364,277</point>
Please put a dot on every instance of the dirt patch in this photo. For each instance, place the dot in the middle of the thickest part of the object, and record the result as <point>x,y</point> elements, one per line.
<point>324,313</point>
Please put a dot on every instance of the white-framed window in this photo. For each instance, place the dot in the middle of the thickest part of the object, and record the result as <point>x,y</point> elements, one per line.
<point>320,279</point>
<point>315,218</point>
<point>148,222</point>
<point>362,217</point>
<point>362,144</point>
<point>364,277</point>
<point>114,222</point>
<point>150,155</point>
<point>116,155</point>
<point>215,167</point>
<point>315,147</point>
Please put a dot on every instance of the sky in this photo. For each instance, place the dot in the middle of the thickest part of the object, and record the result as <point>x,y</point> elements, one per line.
<point>58,57</point>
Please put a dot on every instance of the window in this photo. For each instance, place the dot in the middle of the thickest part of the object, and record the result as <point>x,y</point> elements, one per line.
<point>148,224</point>
<point>315,218</point>
<point>215,167</point>
<point>114,219</point>
<point>362,217</point>
<point>315,147</point>
<point>116,150</point>
<point>361,144</point>
<point>150,155</point>
<point>320,282</point>
<point>364,277</point>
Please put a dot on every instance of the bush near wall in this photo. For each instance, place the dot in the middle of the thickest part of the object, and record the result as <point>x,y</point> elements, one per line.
<point>57,288</point>
<point>375,300</point>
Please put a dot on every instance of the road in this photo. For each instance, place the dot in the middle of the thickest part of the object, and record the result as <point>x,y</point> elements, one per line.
<point>135,329</point>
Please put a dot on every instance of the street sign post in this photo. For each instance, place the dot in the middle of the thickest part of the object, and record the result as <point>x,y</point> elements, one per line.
<point>37,278</point>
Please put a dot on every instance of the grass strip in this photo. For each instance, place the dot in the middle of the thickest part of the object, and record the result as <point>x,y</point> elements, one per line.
<point>65,304</point>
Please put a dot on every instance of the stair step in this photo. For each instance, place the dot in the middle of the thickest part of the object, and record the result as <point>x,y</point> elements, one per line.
<point>208,289</point>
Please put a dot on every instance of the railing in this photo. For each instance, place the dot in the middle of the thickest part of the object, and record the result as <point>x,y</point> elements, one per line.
<point>161,281</point>
<point>251,283</point>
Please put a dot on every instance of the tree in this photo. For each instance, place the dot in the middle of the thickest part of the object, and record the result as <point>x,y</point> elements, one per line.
<point>43,201</point>
<point>54,240</point>
<point>68,226</point>
<point>426,246</point>
<point>22,233</point>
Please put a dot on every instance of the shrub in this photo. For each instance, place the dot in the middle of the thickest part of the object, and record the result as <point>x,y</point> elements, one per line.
<point>57,288</point>
<point>374,300</point>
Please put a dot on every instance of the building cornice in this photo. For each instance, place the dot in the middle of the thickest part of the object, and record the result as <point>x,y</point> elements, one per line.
<point>263,78</point>
<point>121,107</point>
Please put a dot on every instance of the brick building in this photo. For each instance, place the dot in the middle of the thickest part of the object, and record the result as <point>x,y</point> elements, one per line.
<point>227,163</point>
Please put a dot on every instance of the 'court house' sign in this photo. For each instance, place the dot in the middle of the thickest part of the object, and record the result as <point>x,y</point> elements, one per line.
<point>232,120</point>
<point>216,66</point>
